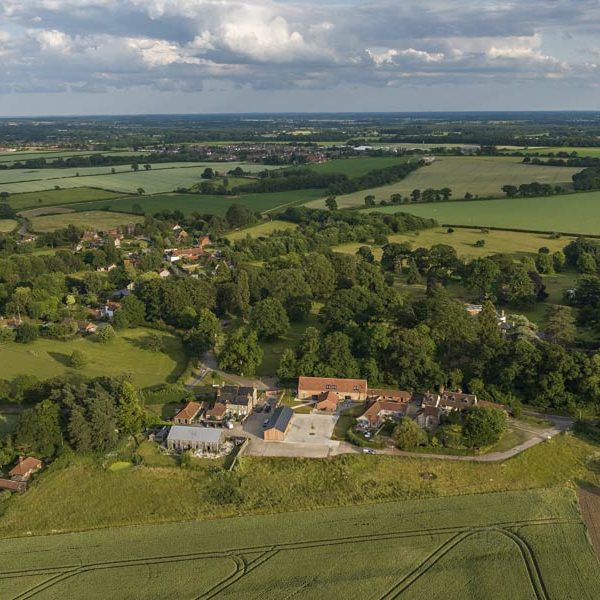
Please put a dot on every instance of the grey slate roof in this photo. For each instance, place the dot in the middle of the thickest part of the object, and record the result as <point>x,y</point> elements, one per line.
<point>281,418</point>
<point>205,435</point>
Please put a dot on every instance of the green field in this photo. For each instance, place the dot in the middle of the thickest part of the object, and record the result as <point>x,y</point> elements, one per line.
<point>480,176</point>
<point>593,151</point>
<point>163,177</point>
<point>100,220</point>
<point>203,203</point>
<point>569,213</point>
<point>463,240</point>
<point>12,157</point>
<point>48,358</point>
<point>58,197</point>
<point>457,548</point>
<point>355,167</point>
<point>7,225</point>
<point>261,230</point>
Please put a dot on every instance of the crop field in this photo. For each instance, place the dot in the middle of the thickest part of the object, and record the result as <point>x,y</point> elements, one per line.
<point>95,219</point>
<point>58,197</point>
<point>457,548</point>
<point>203,203</point>
<point>354,167</point>
<point>163,177</point>
<point>7,225</point>
<point>261,230</point>
<point>463,240</point>
<point>569,213</point>
<point>480,176</point>
<point>12,157</point>
<point>46,358</point>
<point>594,151</point>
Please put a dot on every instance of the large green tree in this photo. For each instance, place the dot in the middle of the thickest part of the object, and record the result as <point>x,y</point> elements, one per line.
<point>241,352</point>
<point>269,319</point>
<point>483,426</point>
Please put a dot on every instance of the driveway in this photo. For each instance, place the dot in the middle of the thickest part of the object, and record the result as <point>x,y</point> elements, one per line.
<point>312,429</point>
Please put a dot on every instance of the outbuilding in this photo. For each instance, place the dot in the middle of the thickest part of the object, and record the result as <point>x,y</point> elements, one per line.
<point>189,437</point>
<point>279,424</point>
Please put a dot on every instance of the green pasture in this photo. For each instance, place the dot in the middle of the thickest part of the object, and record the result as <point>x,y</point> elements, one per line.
<point>203,203</point>
<point>593,151</point>
<point>95,219</point>
<point>7,225</point>
<point>465,546</point>
<point>355,167</point>
<point>262,229</point>
<point>12,157</point>
<point>58,197</point>
<point>46,358</point>
<point>481,176</point>
<point>569,213</point>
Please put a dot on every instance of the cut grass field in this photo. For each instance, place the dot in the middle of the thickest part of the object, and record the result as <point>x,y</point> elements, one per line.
<point>96,219</point>
<point>58,197</point>
<point>480,176</point>
<point>456,548</point>
<point>463,240</point>
<point>126,354</point>
<point>204,204</point>
<point>569,213</point>
<point>261,230</point>
<point>355,167</point>
<point>7,225</point>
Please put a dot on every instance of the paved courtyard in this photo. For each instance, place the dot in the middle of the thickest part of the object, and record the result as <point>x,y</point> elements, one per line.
<point>312,429</point>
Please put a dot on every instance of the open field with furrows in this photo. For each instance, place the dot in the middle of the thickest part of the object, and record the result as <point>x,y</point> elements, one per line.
<point>46,358</point>
<point>59,197</point>
<point>203,203</point>
<point>262,229</point>
<point>457,548</point>
<point>463,240</point>
<point>481,176</point>
<point>569,213</point>
<point>95,219</point>
<point>7,225</point>
<point>163,177</point>
<point>355,167</point>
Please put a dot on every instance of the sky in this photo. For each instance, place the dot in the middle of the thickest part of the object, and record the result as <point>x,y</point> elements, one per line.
<point>77,57</point>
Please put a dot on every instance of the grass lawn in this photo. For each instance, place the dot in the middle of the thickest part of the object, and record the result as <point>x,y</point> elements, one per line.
<point>262,229</point>
<point>355,167</point>
<point>455,548</point>
<point>48,358</point>
<point>56,197</point>
<point>569,213</point>
<point>463,240</point>
<point>91,219</point>
<point>7,225</point>
<point>345,421</point>
<point>481,176</point>
<point>204,203</point>
<point>153,457</point>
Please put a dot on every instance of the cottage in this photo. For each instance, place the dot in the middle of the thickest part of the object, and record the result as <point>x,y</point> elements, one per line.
<point>186,437</point>
<point>327,401</point>
<point>429,417</point>
<point>449,401</point>
<point>216,413</point>
<point>188,413</point>
<point>279,424</point>
<point>380,411</point>
<point>25,468</point>
<point>239,401</point>
<point>88,327</point>
<point>346,389</point>
<point>390,395</point>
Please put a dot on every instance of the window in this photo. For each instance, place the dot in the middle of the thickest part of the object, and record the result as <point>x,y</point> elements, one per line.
<point>356,388</point>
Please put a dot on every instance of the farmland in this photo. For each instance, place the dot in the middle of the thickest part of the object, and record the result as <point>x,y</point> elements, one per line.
<point>260,230</point>
<point>12,157</point>
<point>480,176</point>
<point>7,225</point>
<point>46,358</point>
<point>355,167</point>
<point>569,213</point>
<point>593,151</point>
<point>163,177</point>
<point>203,203</point>
<point>100,220</point>
<point>464,546</point>
<point>58,197</point>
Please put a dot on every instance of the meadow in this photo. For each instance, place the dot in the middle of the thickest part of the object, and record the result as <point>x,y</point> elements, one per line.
<point>568,213</point>
<point>58,197</point>
<point>12,157</point>
<point>593,151</point>
<point>7,225</point>
<point>481,176</point>
<point>262,229</point>
<point>163,177</point>
<point>99,220</point>
<point>355,167</point>
<point>463,548</point>
<point>46,358</point>
<point>203,203</point>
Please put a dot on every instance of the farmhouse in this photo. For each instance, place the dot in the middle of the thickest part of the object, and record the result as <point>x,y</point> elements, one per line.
<point>346,389</point>
<point>390,395</point>
<point>429,417</point>
<point>238,401</point>
<point>187,414</point>
<point>449,401</point>
<point>25,468</point>
<point>327,401</point>
<point>185,437</point>
<point>216,413</point>
<point>279,424</point>
<point>381,411</point>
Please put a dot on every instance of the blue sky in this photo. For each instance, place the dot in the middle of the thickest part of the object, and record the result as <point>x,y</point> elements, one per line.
<point>188,56</point>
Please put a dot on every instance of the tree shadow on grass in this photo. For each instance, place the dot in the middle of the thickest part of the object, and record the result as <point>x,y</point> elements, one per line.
<point>63,359</point>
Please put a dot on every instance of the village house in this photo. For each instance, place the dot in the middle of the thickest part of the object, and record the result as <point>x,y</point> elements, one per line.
<point>13,486</point>
<point>188,413</point>
<point>390,395</point>
<point>239,401</point>
<point>279,424</point>
<point>216,413</point>
<point>87,327</point>
<point>429,417</point>
<point>25,468</point>
<point>10,323</point>
<point>449,401</point>
<point>327,401</point>
<point>346,389</point>
<point>379,412</point>
<point>186,437</point>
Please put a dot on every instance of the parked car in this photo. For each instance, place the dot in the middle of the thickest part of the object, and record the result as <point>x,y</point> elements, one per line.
<point>267,408</point>
<point>258,409</point>
<point>229,425</point>
<point>266,422</point>
<point>368,451</point>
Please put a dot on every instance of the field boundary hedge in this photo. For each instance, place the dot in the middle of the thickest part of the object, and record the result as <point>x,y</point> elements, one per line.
<point>491,228</point>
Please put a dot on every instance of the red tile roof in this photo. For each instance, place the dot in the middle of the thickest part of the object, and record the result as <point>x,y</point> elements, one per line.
<point>342,386</point>
<point>327,400</point>
<point>189,411</point>
<point>25,466</point>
